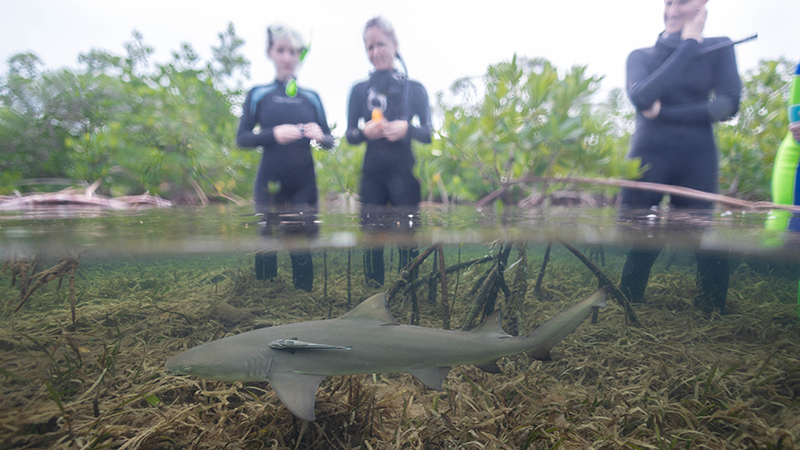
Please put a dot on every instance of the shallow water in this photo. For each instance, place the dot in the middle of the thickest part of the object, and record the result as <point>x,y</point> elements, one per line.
<point>150,284</point>
<point>232,229</point>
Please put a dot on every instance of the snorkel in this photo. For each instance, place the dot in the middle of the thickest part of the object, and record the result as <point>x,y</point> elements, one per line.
<point>291,86</point>
<point>377,112</point>
<point>405,86</point>
<point>722,45</point>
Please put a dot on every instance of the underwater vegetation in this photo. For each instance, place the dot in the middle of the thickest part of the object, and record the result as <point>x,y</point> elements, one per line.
<point>682,379</point>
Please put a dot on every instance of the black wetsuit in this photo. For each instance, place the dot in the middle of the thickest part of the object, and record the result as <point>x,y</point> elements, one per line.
<point>387,175</point>
<point>289,167</point>
<point>678,144</point>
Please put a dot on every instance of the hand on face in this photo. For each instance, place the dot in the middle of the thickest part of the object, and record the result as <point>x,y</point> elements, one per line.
<point>693,27</point>
<point>686,17</point>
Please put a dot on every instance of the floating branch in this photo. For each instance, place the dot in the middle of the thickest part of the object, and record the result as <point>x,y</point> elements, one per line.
<point>645,186</point>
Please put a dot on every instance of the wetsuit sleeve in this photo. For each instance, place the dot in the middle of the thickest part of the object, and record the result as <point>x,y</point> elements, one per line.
<point>645,88</point>
<point>421,109</point>
<point>354,134</point>
<point>322,121</point>
<point>724,105</point>
<point>245,137</point>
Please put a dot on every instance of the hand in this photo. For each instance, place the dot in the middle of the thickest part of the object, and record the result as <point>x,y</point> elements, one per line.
<point>395,130</point>
<point>653,111</point>
<point>375,129</point>
<point>693,28</point>
<point>313,131</point>
<point>794,128</point>
<point>287,133</point>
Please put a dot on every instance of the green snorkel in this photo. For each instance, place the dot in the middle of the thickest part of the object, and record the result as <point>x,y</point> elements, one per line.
<point>291,86</point>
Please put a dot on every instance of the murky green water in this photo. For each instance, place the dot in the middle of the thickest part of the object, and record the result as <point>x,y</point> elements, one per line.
<point>148,285</point>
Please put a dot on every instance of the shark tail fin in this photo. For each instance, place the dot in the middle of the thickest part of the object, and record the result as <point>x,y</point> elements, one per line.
<point>558,327</point>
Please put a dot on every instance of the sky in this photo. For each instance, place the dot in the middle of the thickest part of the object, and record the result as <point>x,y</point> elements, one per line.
<point>440,40</point>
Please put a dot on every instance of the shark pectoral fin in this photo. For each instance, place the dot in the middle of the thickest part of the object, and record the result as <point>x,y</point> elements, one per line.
<point>431,377</point>
<point>297,391</point>
<point>489,366</point>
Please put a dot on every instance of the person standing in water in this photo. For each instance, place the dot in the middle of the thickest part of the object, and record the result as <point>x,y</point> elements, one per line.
<point>671,86</point>
<point>386,105</point>
<point>282,120</point>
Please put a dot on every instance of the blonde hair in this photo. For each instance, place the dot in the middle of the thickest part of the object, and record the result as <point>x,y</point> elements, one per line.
<point>383,25</point>
<point>278,31</point>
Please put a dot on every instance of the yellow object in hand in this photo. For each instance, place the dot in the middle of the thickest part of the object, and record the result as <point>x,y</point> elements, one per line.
<point>377,114</point>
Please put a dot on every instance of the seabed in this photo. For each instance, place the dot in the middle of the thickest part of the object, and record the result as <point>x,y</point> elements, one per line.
<point>683,380</point>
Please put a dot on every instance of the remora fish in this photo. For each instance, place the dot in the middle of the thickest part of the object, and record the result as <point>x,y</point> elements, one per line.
<point>296,357</point>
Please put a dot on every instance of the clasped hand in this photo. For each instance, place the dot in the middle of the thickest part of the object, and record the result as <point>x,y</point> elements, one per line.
<point>287,133</point>
<point>391,130</point>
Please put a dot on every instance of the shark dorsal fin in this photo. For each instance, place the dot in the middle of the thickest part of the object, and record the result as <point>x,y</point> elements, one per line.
<point>492,326</point>
<point>372,309</point>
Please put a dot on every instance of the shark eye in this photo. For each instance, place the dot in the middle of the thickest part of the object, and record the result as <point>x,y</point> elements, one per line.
<point>186,369</point>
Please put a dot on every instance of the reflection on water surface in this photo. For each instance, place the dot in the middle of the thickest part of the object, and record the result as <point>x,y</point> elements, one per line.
<point>146,286</point>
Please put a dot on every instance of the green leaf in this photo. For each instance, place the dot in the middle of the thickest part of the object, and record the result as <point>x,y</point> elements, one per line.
<point>153,399</point>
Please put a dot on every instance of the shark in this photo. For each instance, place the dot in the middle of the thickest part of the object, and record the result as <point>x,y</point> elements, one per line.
<point>294,358</point>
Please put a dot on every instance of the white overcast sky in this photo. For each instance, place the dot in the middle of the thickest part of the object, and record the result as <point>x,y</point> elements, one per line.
<point>441,41</point>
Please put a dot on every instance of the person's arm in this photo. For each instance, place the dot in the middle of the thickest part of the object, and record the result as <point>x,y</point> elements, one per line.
<point>319,130</point>
<point>724,105</point>
<point>245,137</point>
<point>354,134</point>
<point>422,109</point>
<point>644,88</point>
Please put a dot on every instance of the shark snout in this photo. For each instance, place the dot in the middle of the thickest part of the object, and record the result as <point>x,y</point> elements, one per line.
<point>179,364</point>
<point>213,361</point>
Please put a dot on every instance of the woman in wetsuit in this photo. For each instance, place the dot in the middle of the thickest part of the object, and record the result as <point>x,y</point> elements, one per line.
<point>671,86</point>
<point>282,120</point>
<point>386,104</point>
